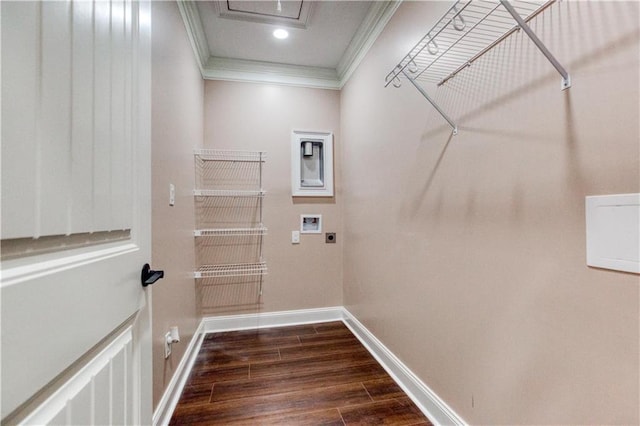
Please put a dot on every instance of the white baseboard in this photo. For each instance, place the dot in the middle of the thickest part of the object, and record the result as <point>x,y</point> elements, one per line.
<point>429,403</point>
<point>169,400</point>
<point>271,319</point>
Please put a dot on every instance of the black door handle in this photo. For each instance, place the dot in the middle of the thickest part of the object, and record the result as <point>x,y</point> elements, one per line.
<point>149,276</point>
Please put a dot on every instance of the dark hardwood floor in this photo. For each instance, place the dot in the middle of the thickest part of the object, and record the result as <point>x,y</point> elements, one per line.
<point>317,374</point>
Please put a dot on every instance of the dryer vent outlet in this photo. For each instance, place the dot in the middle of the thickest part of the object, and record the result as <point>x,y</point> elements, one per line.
<point>330,237</point>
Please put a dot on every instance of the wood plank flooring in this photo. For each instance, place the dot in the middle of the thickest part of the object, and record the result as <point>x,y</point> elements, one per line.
<point>316,374</point>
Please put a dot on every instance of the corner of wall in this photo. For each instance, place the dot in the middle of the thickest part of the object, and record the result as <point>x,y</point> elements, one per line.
<point>177,117</point>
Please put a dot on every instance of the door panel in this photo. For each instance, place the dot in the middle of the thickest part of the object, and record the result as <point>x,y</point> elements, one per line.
<point>53,118</point>
<point>19,63</point>
<point>98,394</point>
<point>75,165</point>
<point>50,321</point>
<point>67,117</point>
<point>82,124</point>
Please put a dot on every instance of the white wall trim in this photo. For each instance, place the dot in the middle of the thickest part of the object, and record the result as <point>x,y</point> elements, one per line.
<point>426,399</point>
<point>169,400</point>
<point>195,32</point>
<point>271,319</point>
<point>268,72</point>
<point>25,269</point>
<point>378,17</point>
<point>214,68</point>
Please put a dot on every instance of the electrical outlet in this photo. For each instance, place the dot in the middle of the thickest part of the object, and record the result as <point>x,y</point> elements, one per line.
<point>295,237</point>
<point>172,194</point>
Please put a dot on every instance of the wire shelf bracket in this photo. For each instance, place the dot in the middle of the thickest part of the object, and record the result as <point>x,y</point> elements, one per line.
<point>424,93</point>
<point>468,30</point>
<point>566,78</point>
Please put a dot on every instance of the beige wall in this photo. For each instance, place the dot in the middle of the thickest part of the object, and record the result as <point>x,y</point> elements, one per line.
<point>466,255</point>
<point>177,130</point>
<point>245,116</point>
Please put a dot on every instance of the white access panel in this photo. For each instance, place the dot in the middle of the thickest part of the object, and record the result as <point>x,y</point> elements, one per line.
<point>613,232</point>
<point>311,170</point>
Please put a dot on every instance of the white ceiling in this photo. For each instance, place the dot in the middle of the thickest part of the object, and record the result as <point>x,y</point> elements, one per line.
<point>233,39</point>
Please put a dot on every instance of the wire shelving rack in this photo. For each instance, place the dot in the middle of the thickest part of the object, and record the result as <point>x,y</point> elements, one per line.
<point>232,175</point>
<point>468,30</point>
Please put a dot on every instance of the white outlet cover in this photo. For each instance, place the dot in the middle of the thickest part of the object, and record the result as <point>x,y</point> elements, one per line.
<point>295,237</point>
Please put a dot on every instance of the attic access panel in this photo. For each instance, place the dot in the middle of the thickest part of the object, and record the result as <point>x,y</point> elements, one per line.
<point>294,14</point>
<point>289,9</point>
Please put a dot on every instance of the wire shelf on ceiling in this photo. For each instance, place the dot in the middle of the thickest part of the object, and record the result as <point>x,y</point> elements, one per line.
<point>465,32</point>
<point>230,232</point>
<point>231,270</point>
<point>227,155</point>
<point>227,193</point>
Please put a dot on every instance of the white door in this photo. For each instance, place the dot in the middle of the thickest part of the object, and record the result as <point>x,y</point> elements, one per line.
<point>75,212</point>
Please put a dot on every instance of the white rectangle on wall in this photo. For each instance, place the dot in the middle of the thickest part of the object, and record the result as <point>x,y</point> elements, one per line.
<point>311,164</point>
<point>613,232</point>
<point>310,223</point>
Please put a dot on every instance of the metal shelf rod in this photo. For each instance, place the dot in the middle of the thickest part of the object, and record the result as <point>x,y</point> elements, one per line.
<point>230,232</point>
<point>566,79</point>
<point>231,270</point>
<point>227,193</point>
<point>432,102</point>
<point>228,155</point>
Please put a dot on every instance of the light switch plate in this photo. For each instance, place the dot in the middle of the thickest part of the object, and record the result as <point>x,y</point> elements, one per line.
<point>295,237</point>
<point>172,194</point>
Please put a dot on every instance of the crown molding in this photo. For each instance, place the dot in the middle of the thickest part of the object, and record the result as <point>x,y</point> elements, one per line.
<point>195,31</point>
<point>216,68</point>
<point>373,24</point>
<point>270,72</point>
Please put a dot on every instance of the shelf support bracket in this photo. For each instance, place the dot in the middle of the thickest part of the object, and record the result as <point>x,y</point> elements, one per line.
<point>432,102</point>
<point>566,78</point>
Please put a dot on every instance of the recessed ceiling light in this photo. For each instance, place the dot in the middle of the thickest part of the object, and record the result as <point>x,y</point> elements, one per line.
<point>281,34</point>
